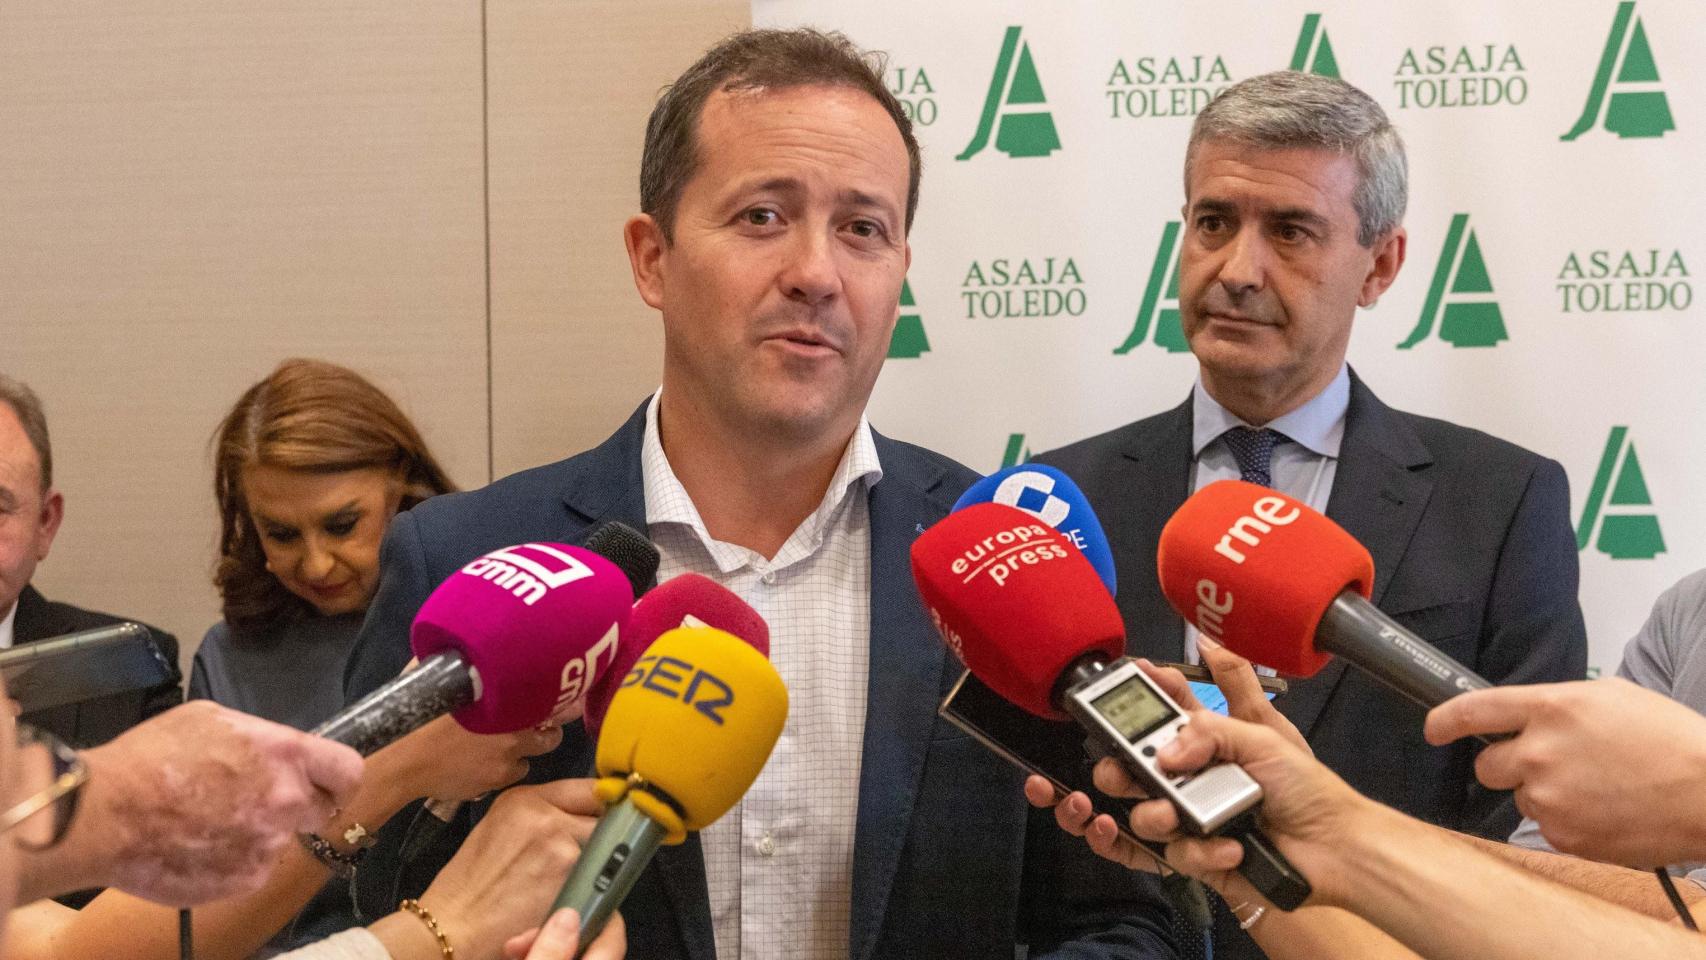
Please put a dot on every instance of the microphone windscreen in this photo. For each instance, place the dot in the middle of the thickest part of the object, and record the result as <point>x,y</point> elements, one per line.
<point>633,554</point>
<point>693,722</point>
<point>536,622</point>
<point>1256,569</point>
<point>1015,600</point>
<point>686,600</point>
<point>1050,496</point>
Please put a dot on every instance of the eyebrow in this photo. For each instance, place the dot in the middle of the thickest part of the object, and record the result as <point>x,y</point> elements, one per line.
<point>354,506</point>
<point>1302,215</point>
<point>1298,215</point>
<point>851,197</point>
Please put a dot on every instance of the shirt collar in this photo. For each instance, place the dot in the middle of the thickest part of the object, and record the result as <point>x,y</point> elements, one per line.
<point>8,625</point>
<point>667,500</point>
<point>1318,425</point>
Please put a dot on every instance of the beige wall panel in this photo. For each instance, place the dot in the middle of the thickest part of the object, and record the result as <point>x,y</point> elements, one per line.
<point>192,190</point>
<point>571,85</point>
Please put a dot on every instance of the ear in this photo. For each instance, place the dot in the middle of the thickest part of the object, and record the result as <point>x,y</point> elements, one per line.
<point>1388,259</point>
<point>646,250</point>
<point>52,512</point>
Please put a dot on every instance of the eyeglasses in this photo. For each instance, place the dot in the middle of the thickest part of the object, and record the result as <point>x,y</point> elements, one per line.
<point>54,771</point>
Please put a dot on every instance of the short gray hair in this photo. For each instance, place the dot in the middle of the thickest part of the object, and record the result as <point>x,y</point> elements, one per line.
<point>27,407</point>
<point>1287,109</point>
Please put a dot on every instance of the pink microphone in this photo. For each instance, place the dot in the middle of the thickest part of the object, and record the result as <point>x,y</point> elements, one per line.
<point>514,639</point>
<point>686,600</point>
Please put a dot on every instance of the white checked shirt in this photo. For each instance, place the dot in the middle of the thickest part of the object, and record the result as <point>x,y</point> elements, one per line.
<point>780,864</point>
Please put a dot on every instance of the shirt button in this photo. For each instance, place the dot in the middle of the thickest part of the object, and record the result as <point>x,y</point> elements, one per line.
<point>769,577</point>
<point>767,845</point>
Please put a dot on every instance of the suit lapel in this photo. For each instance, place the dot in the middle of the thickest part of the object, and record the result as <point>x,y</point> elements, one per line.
<point>905,685</point>
<point>33,620</point>
<point>1155,471</point>
<point>608,484</point>
<point>36,620</point>
<point>1379,493</point>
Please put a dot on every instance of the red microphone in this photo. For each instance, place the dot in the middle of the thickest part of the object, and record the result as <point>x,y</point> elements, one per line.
<point>1281,585</point>
<point>1029,616</point>
<point>687,600</point>
<point>1016,601</point>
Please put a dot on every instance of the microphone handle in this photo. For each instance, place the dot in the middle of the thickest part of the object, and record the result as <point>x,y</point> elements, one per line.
<point>609,864</point>
<point>441,683</point>
<point>1360,632</point>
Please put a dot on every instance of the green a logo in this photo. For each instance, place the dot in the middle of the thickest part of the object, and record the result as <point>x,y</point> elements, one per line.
<point>1628,113</point>
<point>1314,52</point>
<point>908,339</point>
<point>1017,452</point>
<point>1624,534</point>
<point>1027,131</point>
<point>1160,307</point>
<point>1471,318</point>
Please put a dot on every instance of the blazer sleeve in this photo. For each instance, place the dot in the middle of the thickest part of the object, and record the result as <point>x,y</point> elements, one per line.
<point>1533,631</point>
<point>382,647</point>
<point>1074,904</point>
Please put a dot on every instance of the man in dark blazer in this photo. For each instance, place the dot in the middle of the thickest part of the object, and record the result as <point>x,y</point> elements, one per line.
<point>30,514</point>
<point>778,186</point>
<point>1295,192</point>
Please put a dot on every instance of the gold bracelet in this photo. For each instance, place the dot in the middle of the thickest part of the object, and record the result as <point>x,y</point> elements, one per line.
<point>415,907</point>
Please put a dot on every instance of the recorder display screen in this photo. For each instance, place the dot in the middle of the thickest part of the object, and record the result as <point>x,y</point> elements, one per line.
<point>1133,709</point>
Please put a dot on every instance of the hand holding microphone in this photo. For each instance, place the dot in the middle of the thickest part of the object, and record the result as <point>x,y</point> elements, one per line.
<point>1609,770</point>
<point>1245,701</point>
<point>1306,809</point>
<point>192,805</point>
<point>502,878</point>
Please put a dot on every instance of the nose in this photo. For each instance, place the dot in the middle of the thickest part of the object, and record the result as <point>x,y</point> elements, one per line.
<point>1244,269</point>
<point>317,561</point>
<point>811,275</point>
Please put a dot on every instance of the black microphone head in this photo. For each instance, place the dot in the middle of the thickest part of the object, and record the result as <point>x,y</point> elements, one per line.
<point>629,549</point>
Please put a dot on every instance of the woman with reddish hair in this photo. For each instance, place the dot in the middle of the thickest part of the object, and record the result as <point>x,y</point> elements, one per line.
<point>310,466</point>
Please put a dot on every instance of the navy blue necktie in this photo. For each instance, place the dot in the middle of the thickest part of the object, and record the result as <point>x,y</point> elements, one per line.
<point>1254,451</point>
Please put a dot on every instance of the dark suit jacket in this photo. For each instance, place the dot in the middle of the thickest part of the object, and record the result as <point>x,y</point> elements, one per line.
<point>1473,550</point>
<point>948,862</point>
<point>92,722</point>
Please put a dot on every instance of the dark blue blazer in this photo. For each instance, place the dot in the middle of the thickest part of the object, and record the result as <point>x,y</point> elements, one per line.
<point>949,861</point>
<point>1473,550</point>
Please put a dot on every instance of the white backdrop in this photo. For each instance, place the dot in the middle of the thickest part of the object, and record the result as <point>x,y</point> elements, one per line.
<point>1549,296</point>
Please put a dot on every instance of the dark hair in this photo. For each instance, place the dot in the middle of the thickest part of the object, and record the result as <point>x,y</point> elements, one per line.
<point>24,402</point>
<point>754,60</point>
<point>316,417</point>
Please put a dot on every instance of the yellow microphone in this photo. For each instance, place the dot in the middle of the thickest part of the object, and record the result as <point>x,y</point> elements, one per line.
<point>686,734</point>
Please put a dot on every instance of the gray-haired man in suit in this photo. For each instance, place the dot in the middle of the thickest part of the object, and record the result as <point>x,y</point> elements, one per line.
<point>1295,188</point>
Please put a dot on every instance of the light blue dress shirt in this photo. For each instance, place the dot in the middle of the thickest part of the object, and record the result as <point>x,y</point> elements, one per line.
<point>1303,464</point>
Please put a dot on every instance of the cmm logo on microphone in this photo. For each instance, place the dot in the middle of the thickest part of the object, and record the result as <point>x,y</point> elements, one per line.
<point>529,571</point>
